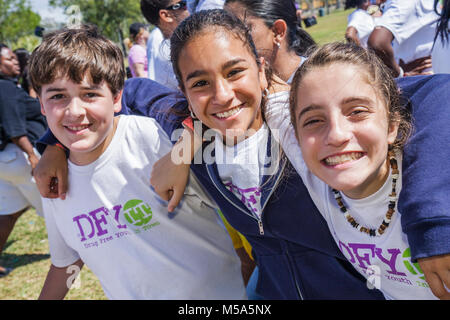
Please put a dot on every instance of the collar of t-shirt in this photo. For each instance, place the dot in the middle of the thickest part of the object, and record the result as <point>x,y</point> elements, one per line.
<point>241,167</point>
<point>289,81</point>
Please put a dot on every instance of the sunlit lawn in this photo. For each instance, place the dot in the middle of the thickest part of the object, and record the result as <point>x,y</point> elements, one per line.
<point>330,27</point>
<point>27,252</point>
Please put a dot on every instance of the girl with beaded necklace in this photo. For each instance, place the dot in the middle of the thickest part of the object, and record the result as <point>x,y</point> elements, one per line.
<point>346,119</point>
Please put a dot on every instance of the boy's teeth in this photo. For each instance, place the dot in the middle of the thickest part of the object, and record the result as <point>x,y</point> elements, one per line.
<point>77,128</point>
<point>334,160</point>
<point>228,113</point>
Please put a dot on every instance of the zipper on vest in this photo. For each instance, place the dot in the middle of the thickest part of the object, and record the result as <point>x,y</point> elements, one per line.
<point>261,229</point>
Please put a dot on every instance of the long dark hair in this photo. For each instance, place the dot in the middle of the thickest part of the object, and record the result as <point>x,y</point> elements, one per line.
<point>211,20</point>
<point>271,10</point>
<point>203,20</point>
<point>353,3</point>
<point>442,26</point>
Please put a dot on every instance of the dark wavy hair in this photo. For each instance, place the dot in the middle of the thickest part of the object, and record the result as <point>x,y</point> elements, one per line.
<point>271,10</point>
<point>442,29</point>
<point>353,3</point>
<point>206,20</point>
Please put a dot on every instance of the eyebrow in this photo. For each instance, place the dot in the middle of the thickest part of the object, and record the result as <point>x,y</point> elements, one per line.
<point>226,65</point>
<point>56,89</point>
<point>356,99</point>
<point>344,101</point>
<point>307,109</point>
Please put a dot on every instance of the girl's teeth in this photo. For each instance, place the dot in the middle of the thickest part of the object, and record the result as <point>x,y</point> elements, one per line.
<point>335,160</point>
<point>227,114</point>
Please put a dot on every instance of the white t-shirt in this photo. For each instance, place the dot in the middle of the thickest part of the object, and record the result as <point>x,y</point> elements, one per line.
<point>384,260</point>
<point>204,5</point>
<point>413,25</point>
<point>120,228</point>
<point>159,64</point>
<point>363,23</point>
<point>440,56</point>
<point>241,167</point>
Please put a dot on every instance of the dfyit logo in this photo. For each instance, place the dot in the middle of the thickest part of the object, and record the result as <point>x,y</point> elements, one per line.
<point>101,223</point>
<point>413,267</point>
<point>137,212</point>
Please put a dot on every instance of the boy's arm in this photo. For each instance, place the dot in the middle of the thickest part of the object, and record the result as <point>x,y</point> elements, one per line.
<point>51,171</point>
<point>59,281</point>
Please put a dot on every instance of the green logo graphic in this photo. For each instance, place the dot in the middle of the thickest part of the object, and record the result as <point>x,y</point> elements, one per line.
<point>412,267</point>
<point>137,212</point>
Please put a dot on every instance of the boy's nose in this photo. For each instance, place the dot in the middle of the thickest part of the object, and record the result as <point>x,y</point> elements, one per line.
<point>75,108</point>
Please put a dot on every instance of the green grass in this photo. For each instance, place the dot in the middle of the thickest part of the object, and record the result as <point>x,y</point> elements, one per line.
<point>330,27</point>
<point>27,252</point>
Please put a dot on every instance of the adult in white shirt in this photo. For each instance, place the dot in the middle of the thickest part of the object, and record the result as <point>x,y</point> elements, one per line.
<point>360,23</point>
<point>197,5</point>
<point>165,15</point>
<point>403,36</point>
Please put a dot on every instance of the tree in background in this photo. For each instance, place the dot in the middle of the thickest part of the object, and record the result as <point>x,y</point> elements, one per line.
<point>110,16</point>
<point>17,20</point>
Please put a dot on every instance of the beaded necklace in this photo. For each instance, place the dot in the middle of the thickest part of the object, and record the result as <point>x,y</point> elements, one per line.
<point>391,207</point>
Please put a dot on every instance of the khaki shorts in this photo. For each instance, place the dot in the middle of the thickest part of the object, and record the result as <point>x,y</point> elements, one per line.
<point>18,188</point>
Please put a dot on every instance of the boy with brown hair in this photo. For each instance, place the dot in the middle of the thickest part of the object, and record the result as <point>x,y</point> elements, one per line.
<point>111,219</point>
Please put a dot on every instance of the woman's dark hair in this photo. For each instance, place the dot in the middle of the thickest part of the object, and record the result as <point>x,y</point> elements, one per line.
<point>442,25</point>
<point>271,10</point>
<point>150,9</point>
<point>23,56</point>
<point>354,3</point>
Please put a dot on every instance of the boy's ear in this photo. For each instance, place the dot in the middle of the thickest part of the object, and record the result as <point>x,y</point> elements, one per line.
<point>279,28</point>
<point>118,101</point>
<point>42,106</point>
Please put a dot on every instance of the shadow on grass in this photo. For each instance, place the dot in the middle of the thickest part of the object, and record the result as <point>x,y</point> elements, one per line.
<point>8,243</point>
<point>9,260</point>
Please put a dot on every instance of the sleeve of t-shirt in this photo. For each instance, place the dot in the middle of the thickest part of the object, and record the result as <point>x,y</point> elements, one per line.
<point>12,115</point>
<point>398,17</point>
<point>61,255</point>
<point>278,119</point>
<point>354,20</point>
<point>424,201</point>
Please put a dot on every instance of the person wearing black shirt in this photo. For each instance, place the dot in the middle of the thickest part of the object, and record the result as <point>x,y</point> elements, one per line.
<point>21,123</point>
